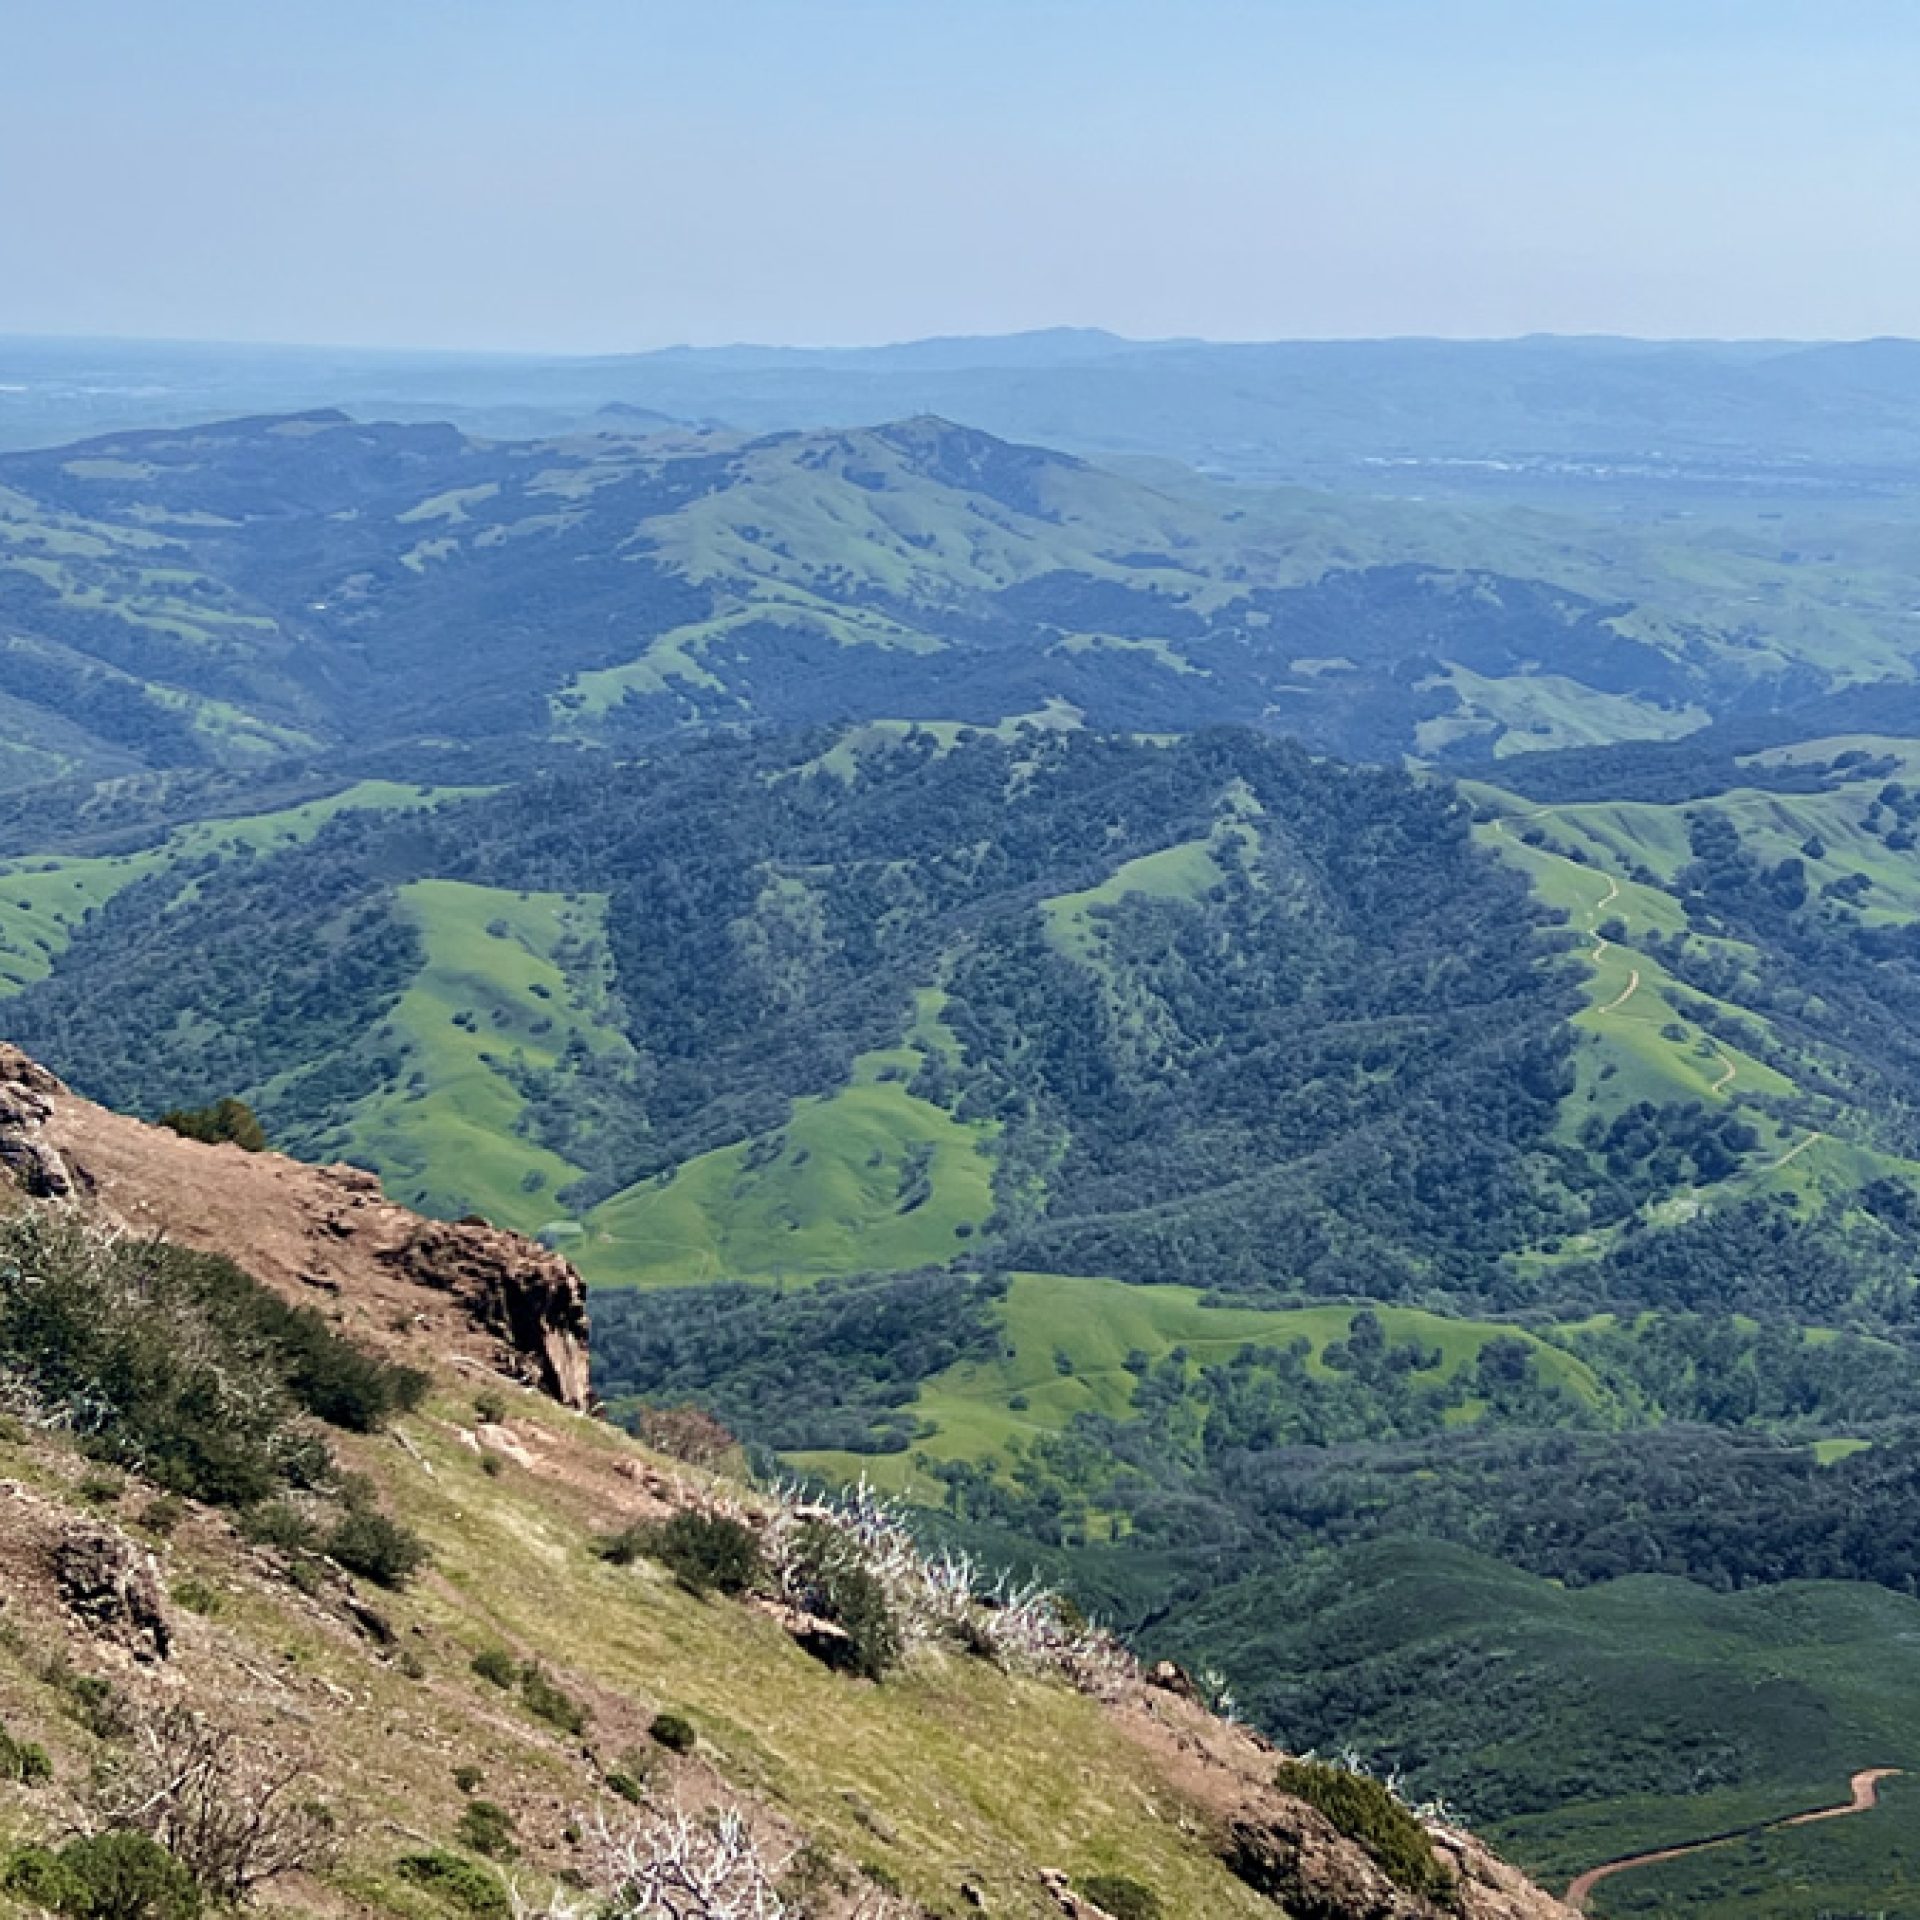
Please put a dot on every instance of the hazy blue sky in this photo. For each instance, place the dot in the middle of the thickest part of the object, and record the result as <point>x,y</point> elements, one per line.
<point>606,174</point>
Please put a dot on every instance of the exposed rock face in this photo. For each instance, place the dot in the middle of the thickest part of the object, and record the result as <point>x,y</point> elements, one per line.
<point>324,1236</point>
<point>27,1090</point>
<point>531,1298</point>
<point>112,1587</point>
<point>1293,1853</point>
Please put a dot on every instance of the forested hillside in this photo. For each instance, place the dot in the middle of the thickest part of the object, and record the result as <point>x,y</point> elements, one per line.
<point>1393,1237</point>
<point>269,590</point>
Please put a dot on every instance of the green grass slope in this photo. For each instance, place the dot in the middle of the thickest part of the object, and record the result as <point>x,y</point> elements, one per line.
<point>492,1004</point>
<point>868,1178</point>
<point>1067,1342</point>
<point>42,901</point>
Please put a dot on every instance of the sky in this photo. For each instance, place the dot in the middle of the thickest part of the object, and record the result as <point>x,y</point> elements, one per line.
<point>614,175</point>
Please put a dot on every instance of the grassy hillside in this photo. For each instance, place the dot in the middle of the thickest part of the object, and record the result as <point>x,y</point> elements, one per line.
<point>471,1715</point>
<point>44,899</point>
<point>491,1003</point>
<point>1623,1717</point>
<point>1070,1346</point>
<point>267,588</point>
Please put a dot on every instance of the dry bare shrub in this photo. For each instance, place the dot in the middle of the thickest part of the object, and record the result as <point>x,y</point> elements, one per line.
<point>941,1598</point>
<point>236,1815</point>
<point>687,1433</point>
<point>660,1862</point>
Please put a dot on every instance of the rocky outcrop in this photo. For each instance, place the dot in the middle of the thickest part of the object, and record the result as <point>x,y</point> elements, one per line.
<point>324,1236</point>
<point>27,1092</point>
<point>532,1299</point>
<point>1295,1855</point>
<point>110,1586</point>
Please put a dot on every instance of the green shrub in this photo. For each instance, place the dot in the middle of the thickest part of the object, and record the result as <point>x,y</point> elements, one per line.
<point>38,1877</point>
<point>707,1552</point>
<point>22,1764</point>
<point>196,1596</point>
<point>227,1119</point>
<point>674,1732</point>
<point>487,1828</point>
<point>496,1666</point>
<point>1368,1813</point>
<point>461,1882</point>
<point>126,1876</point>
<point>547,1701</point>
<point>835,1584</point>
<point>467,1777</point>
<point>163,1513</point>
<point>184,1366</point>
<point>630,1789</point>
<point>1119,1897</point>
<point>622,1549</point>
<point>277,1523</point>
<point>93,1701</point>
<point>102,1488</point>
<point>380,1549</point>
<point>490,1406</point>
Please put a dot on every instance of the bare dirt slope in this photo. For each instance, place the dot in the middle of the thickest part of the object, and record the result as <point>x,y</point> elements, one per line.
<point>324,1236</point>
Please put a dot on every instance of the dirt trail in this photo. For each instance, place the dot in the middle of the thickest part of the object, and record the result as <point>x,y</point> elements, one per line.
<point>1727,1073</point>
<point>1602,946</point>
<point>1794,1153</point>
<point>1625,994</point>
<point>1864,1791</point>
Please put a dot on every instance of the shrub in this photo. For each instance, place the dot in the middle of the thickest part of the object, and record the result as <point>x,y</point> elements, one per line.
<point>128,1876</point>
<point>487,1828</point>
<point>380,1549</point>
<point>38,1877</point>
<point>622,1549</point>
<point>233,1814</point>
<point>467,1777</point>
<point>686,1433</point>
<point>459,1881</point>
<point>1119,1897</point>
<point>547,1701</point>
<point>101,1489</point>
<point>225,1120</point>
<point>708,1552</point>
<point>22,1764</point>
<point>674,1732</point>
<point>629,1789</point>
<point>1367,1812</point>
<point>828,1577</point>
<point>184,1366</point>
<point>89,1698</point>
<point>276,1523</point>
<point>196,1596</point>
<point>490,1406</point>
<point>163,1513</point>
<point>496,1666</point>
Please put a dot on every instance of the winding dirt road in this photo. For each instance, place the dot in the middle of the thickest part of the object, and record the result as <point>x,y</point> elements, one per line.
<point>1864,1797</point>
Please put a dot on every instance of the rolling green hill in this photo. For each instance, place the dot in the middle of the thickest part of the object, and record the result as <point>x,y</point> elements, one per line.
<point>262,590</point>
<point>799,877</point>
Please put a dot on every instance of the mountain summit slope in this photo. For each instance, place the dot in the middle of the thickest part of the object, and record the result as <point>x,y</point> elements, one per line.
<point>532,1696</point>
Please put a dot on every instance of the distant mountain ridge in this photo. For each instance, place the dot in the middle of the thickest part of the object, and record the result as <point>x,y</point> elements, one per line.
<point>1836,419</point>
<point>284,586</point>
